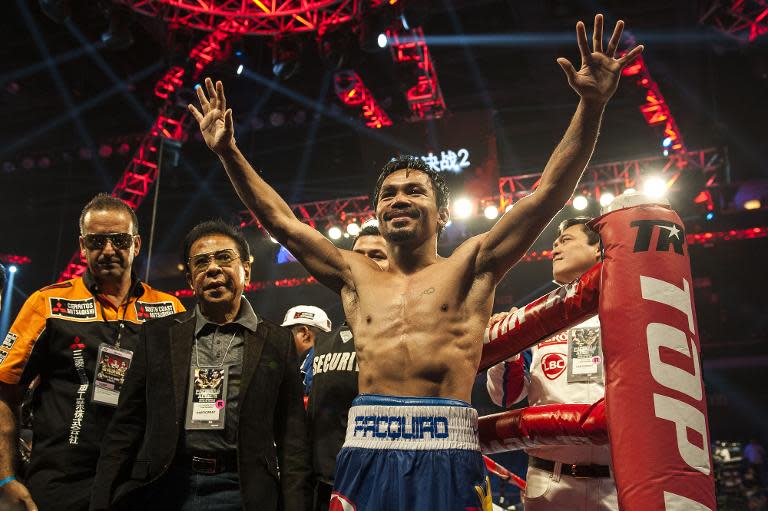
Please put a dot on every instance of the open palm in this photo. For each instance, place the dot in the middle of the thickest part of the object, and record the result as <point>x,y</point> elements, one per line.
<point>215,120</point>
<point>599,75</point>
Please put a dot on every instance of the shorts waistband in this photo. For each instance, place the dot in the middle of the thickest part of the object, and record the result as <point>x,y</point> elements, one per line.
<point>385,400</point>
<point>395,423</point>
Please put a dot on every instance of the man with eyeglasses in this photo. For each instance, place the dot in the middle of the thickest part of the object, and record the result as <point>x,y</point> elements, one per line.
<point>78,336</point>
<point>213,404</point>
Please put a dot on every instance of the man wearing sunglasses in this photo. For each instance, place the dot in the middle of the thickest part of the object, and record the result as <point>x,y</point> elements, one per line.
<point>213,405</point>
<point>78,336</point>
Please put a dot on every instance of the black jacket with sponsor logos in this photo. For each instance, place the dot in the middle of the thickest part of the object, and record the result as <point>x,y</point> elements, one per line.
<point>143,439</point>
<point>56,336</point>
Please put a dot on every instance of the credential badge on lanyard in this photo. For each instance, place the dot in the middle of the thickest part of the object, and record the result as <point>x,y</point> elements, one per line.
<point>112,364</point>
<point>586,355</point>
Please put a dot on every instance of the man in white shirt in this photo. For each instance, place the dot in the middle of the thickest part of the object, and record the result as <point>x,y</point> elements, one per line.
<point>565,368</point>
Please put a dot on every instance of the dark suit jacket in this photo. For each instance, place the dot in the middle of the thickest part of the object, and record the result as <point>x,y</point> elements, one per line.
<point>142,438</point>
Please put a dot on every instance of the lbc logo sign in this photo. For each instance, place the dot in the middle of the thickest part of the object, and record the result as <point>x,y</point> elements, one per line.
<point>553,365</point>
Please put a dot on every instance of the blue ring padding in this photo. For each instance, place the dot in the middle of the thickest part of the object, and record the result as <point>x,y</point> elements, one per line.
<point>384,400</point>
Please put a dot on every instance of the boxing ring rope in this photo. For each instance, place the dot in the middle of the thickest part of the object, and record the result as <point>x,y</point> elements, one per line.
<point>566,306</point>
<point>654,415</point>
<point>539,426</point>
<point>503,472</point>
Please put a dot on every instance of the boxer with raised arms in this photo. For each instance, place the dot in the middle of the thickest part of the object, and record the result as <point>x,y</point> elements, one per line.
<point>411,436</point>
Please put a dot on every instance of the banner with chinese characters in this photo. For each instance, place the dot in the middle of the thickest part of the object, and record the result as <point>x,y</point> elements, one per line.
<point>461,145</point>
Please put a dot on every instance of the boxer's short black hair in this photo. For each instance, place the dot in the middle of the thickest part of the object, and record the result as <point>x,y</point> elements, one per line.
<point>442,194</point>
<point>592,237</point>
<point>210,227</point>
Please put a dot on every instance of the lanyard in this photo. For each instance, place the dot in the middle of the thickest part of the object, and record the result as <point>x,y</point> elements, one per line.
<point>197,350</point>
<point>120,323</point>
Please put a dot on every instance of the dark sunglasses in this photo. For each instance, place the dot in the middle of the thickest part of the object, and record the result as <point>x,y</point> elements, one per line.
<point>119,240</point>
<point>224,258</point>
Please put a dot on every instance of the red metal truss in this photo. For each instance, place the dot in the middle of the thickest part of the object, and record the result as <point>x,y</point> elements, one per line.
<point>408,48</point>
<point>618,176</point>
<point>352,92</point>
<point>614,177</point>
<point>251,17</point>
<point>655,109</point>
<point>745,20</point>
<point>321,214</point>
<point>171,123</point>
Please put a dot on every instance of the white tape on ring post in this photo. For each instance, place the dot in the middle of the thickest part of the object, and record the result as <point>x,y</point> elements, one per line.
<point>631,199</point>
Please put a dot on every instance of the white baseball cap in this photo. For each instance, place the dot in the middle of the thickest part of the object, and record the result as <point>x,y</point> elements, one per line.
<point>307,315</point>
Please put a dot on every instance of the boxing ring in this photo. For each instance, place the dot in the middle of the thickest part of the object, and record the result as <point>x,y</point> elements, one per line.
<point>654,414</point>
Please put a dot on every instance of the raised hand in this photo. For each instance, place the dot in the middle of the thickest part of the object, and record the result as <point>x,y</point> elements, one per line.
<point>215,121</point>
<point>599,75</point>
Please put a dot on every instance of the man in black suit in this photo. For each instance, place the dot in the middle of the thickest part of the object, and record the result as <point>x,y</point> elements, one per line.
<point>212,404</point>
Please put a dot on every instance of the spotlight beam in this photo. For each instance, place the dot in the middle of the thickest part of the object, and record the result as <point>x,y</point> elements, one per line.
<point>107,70</point>
<point>309,145</point>
<point>134,103</point>
<point>59,59</point>
<point>62,88</point>
<point>5,314</point>
<point>463,41</point>
<point>322,109</point>
<point>82,107</point>
<point>543,39</point>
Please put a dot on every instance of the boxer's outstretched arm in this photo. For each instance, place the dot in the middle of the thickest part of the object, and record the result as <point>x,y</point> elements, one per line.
<point>322,258</point>
<point>595,83</point>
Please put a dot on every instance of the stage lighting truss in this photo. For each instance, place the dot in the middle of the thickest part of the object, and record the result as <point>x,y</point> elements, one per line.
<point>744,20</point>
<point>351,90</point>
<point>251,17</point>
<point>655,109</point>
<point>409,49</point>
<point>318,214</point>
<point>615,177</point>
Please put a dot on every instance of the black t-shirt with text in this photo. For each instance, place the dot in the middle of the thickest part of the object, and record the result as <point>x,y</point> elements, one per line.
<point>334,386</point>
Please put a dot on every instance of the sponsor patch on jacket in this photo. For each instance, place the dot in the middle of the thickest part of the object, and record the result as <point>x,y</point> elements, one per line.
<point>146,310</point>
<point>9,340</point>
<point>3,355</point>
<point>79,309</point>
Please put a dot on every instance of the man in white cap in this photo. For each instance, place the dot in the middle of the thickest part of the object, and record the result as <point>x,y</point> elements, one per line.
<point>306,321</point>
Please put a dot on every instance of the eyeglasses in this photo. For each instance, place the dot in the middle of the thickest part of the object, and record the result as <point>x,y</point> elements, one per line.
<point>119,240</point>
<point>224,259</point>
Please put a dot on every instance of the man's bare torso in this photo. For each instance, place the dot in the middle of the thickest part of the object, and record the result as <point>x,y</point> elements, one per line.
<point>420,334</point>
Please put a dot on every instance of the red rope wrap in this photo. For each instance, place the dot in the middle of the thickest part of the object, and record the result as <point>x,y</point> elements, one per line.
<point>563,307</point>
<point>539,426</point>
